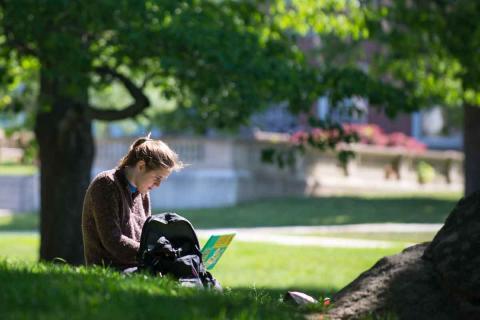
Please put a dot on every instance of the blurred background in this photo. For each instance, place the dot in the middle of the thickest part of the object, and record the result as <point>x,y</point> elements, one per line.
<point>325,134</point>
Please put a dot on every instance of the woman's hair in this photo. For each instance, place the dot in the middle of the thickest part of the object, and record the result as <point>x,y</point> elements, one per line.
<point>155,153</point>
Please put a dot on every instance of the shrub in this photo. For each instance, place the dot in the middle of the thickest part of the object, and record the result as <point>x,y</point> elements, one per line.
<point>425,172</point>
<point>372,134</point>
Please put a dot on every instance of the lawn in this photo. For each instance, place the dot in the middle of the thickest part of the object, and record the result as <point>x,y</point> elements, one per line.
<point>23,246</point>
<point>303,212</point>
<point>255,275</point>
<point>261,265</point>
<point>44,291</point>
<point>13,169</point>
<point>19,222</point>
<point>327,211</point>
<point>400,237</point>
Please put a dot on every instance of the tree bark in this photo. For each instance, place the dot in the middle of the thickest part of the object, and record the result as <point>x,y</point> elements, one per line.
<point>63,128</point>
<point>66,147</point>
<point>471,148</point>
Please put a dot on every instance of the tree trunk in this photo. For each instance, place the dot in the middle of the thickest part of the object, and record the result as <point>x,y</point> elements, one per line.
<point>65,139</point>
<point>471,148</point>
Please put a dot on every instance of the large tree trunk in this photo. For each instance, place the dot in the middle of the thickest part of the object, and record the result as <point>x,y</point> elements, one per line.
<point>66,144</point>
<point>471,148</point>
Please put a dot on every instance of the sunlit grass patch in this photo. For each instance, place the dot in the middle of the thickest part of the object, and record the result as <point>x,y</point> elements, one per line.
<point>404,237</point>
<point>335,210</point>
<point>45,291</point>
<point>20,246</point>
<point>7,169</point>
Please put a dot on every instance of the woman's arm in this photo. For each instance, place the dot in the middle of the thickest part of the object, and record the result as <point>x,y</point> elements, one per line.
<point>147,205</point>
<point>106,201</point>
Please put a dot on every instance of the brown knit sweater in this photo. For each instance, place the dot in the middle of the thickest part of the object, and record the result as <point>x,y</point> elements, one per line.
<point>112,221</point>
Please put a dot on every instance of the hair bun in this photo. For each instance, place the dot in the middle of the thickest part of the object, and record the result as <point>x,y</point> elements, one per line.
<point>138,142</point>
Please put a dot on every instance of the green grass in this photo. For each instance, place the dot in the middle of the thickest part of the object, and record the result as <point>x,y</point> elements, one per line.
<point>402,237</point>
<point>308,268</point>
<point>23,246</point>
<point>44,291</point>
<point>327,211</point>
<point>7,169</point>
<point>255,276</point>
<point>19,222</point>
<point>303,211</point>
<point>260,265</point>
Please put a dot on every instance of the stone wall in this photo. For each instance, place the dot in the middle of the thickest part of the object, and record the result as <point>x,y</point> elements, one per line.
<point>19,193</point>
<point>377,169</point>
<point>223,172</point>
<point>228,171</point>
<point>219,172</point>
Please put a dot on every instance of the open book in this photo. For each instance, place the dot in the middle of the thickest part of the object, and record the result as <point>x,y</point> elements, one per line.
<point>214,248</point>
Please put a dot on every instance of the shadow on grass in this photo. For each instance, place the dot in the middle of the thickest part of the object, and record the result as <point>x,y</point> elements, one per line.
<point>324,211</point>
<point>20,222</point>
<point>298,211</point>
<point>50,292</point>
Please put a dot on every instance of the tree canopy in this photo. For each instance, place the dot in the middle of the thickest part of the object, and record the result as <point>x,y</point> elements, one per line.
<point>217,61</point>
<point>429,48</point>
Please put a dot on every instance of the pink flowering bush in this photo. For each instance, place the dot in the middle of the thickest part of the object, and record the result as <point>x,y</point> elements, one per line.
<point>372,134</point>
<point>299,137</point>
<point>328,136</point>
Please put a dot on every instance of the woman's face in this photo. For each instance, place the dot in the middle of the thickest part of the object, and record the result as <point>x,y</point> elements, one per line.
<point>146,179</point>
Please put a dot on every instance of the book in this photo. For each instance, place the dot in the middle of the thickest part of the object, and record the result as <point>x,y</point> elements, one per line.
<point>214,249</point>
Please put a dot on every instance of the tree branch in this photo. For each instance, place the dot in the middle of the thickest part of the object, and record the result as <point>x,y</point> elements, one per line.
<point>138,106</point>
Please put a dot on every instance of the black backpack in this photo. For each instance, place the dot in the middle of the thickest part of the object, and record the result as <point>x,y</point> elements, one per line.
<point>169,246</point>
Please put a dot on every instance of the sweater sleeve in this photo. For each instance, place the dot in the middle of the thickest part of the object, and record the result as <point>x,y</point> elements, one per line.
<point>106,212</point>
<point>147,205</point>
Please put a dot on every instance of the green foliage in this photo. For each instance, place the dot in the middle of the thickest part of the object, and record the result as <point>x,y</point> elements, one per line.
<point>323,136</point>
<point>203,64</point>
<point>348,81</point>
<point>282,157</point>
<point>30,156</point>
<point>217,61</point>
<point>425,172</point>
<point>343,18</point>
<point>428,49</point>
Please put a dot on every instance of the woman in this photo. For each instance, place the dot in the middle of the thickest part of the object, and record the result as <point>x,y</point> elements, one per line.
<point>117,203</point>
